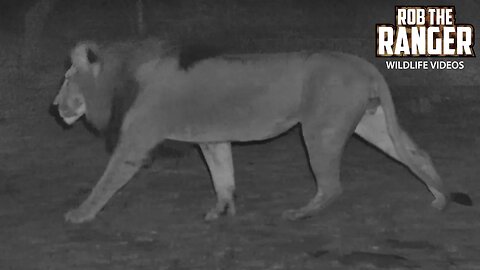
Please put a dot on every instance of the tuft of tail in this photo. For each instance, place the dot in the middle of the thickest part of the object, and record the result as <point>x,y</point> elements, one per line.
<point>461,198</point>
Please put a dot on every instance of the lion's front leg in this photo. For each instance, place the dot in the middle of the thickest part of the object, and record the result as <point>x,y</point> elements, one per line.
<point>219,160</point>
<point>125,162</point>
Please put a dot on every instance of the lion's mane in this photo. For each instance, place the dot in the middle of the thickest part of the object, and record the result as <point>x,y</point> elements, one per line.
<point>113,92</point>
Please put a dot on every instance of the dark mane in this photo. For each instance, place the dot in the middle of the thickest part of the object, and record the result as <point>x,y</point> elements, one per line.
<point>123,99</point>
<point>116,88</point>
<point>190,55</point>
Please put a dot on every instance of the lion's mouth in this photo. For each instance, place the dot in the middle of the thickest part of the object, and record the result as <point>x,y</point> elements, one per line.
<point>69,116</point>
<point>70,120</point>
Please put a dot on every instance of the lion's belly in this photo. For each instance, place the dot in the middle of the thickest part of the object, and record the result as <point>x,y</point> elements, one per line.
<point>236,118</point>
<point>245,131</point>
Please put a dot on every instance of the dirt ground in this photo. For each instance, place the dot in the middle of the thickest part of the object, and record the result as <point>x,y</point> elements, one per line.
<point>382,221</point>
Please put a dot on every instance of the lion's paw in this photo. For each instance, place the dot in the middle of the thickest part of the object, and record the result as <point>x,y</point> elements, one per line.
<point>318,203</point>
<point>222,207</point>
<point>78,216</point>
<point>211,215</point>
<point>440,201</point>
<point>295,214</point>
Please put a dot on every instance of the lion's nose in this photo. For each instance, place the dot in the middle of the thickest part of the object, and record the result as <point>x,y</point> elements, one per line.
<point>56,101</point>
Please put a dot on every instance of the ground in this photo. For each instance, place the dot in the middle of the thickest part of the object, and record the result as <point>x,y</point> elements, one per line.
<point>382,221</point>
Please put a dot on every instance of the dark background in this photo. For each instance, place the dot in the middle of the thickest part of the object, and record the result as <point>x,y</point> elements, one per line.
<point>237,25</point>
<point>382,221</point>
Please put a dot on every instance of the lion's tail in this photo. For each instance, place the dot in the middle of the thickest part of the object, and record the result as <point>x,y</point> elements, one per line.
<point>407,150</point>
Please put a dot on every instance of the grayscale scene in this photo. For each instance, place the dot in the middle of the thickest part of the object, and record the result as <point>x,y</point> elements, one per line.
<point>239,134</point>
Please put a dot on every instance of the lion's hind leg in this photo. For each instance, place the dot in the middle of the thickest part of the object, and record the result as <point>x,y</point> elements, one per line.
<point>218,157</point>
<point>324,143</point>
<point>373,128</point>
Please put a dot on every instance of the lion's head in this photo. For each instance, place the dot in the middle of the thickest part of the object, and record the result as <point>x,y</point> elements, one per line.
<point>99,85</point>
<point>83,91</point>
<point>101,82</point>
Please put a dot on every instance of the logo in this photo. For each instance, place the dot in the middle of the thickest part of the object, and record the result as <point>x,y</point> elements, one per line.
<point>425,31</point>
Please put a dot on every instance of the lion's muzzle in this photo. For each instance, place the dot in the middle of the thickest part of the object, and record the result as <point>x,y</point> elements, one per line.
<point>70,102</point>
<point>71,114</point>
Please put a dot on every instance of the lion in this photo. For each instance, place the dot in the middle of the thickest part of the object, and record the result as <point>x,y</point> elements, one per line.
<point>153,94</point>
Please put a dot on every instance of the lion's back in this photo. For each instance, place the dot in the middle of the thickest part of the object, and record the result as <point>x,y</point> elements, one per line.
<point>341,63</point>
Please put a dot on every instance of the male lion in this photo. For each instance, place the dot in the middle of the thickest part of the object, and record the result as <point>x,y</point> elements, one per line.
<point>231,98</point>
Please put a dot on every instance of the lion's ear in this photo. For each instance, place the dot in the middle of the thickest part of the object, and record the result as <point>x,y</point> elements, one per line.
<point>93,59</point>
<point>91,56</point>
<point>85,56</point>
